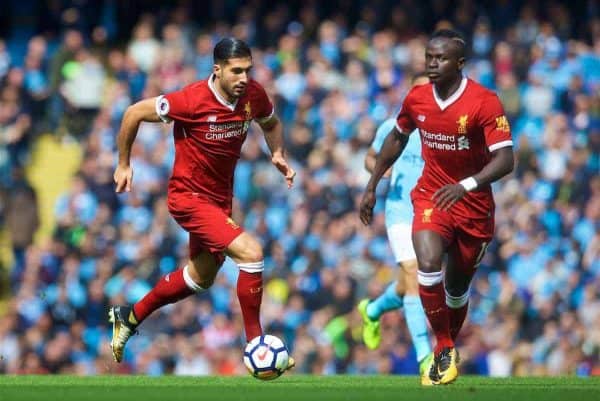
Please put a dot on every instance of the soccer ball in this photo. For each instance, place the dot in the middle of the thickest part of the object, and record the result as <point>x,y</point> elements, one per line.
<point>266,357</point>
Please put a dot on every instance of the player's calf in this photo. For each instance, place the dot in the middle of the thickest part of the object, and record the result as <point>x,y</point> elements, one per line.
<point>247,252</point>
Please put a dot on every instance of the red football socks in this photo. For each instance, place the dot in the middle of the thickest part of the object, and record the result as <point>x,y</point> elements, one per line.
<point>433,299</point>
<point>457,318</point>
<point>249,292</point>
<point>169,289</point>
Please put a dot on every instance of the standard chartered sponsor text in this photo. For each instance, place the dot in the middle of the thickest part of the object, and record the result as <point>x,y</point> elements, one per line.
<point>441,141</point>
<point>438,137</point>
<point>439,146</point>
<point>226,130</point>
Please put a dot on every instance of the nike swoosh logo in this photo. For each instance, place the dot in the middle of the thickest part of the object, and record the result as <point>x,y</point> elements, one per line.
<point>263,354</point>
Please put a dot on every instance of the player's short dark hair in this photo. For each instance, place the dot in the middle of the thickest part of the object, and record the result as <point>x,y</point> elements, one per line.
<point>230,48</point>
<point>453,35</point>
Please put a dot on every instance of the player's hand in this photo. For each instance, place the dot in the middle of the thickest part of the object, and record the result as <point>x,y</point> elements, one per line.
<point>366,207</point>
<point>123,176</point>
<point>288,172</point>
<point>445,197</point>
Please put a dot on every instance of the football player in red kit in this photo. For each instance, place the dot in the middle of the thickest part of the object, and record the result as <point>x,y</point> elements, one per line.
<point>466,145</point>
<point>211,120</point>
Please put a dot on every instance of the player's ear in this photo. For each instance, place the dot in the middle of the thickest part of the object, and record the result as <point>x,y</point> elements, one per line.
<point>217,70</point>
<point>461,63</point>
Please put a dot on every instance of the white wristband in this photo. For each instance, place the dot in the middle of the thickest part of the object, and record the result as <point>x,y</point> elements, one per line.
<point>469,184</point>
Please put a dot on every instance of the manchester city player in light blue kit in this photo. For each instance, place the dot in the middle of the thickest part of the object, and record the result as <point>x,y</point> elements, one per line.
<point>398,220</point>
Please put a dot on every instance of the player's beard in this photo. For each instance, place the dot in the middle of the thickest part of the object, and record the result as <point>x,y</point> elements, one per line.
<point>238,90</point>
<point>230,90</point>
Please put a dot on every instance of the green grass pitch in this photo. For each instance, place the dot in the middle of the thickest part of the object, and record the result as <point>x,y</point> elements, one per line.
<point>293,387</point>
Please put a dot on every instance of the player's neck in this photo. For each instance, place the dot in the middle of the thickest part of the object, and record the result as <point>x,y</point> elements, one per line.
<point>222,92</point>
<point>447,89</point>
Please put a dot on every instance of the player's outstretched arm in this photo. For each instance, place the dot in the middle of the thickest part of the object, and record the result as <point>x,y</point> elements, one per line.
<point>501,164</point>
<point>370,159</point>
<point>273,131</point>
<point>144,110</point>
<point>391,149</point>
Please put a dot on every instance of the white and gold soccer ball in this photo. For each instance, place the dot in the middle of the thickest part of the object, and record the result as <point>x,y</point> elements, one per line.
<point>266,357</point>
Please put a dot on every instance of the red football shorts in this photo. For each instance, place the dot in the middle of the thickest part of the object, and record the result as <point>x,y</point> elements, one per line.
<point>210,226</point>
<point>466,238</point>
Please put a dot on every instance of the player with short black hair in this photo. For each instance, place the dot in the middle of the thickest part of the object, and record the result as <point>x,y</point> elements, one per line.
<point>466,145</point>
<point>228,48</point>
<point>211,118</point>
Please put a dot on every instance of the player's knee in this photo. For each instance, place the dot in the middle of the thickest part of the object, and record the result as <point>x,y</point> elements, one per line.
<point>252,258</point>
<point>457,290</point>
<point>456,298</point>
<point>400,290</point>
<point>198,280</point>
<point>412,286</point>
<point>429,279</point>
<point>206,279</point>
<point>253,254</point>
<point>430,264</point>
<point>430,271</point>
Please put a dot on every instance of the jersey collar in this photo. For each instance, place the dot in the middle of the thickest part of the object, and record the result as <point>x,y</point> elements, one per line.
<point>221,99</point>
<point>443,104</point>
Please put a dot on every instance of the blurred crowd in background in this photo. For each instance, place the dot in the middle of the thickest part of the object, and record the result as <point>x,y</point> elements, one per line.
<point>334,70</point>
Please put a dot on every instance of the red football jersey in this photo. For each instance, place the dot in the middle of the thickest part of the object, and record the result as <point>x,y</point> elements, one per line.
<point>209,133</point>
<point>457,137</point>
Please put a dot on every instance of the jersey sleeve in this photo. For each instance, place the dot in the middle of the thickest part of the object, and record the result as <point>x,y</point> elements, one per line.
<point>496,128</point>
<point>264,107</point>
<point>172,106</point>
<point>382,132</point>
<point>404,121</point>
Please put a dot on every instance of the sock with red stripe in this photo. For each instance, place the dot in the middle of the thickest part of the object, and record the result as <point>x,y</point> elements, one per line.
<point>457,308</point>
<point>249,292</point>
<point>171,288</point>
<point>431,291</point>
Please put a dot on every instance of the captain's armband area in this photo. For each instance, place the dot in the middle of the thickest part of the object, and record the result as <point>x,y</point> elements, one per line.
<point>162,108</point>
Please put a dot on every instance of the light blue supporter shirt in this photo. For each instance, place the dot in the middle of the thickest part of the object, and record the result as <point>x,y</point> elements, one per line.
<point>405,173</point>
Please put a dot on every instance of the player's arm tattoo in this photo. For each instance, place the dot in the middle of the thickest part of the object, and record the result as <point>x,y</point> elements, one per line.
<point>392,148</point>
